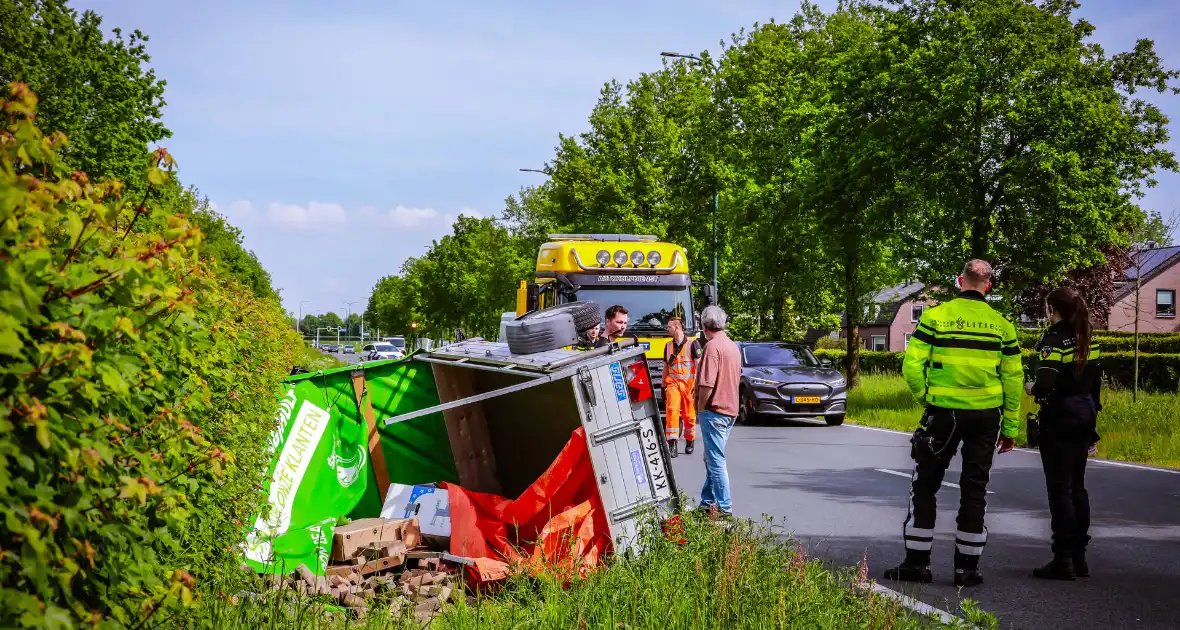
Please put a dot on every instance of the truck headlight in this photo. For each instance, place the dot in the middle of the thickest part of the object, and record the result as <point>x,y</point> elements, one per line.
<point>636,258</point>
<point>620,258</point>
<point>603,258</point>
<point>653,258</point>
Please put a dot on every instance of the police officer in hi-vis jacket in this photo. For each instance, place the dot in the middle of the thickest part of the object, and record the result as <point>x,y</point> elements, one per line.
<point>963,364</point>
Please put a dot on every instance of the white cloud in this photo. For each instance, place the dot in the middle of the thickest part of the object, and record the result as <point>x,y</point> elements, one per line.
<point>313,215</point>
<point>417,219</point>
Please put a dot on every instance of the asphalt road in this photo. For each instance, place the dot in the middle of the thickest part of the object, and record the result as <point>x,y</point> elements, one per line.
<point>828,485</point>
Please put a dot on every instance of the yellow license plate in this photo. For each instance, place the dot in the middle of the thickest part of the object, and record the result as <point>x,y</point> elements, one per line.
<point>806,400</point>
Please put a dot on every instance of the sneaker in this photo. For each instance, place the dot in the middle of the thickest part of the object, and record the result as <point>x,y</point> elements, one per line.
<point>1059,568</point>
<point>968,577</point>
<point>910,573</point>
<point>1080,567</point>
<point>689,447</point>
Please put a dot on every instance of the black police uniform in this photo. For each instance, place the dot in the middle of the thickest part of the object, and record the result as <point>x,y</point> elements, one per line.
<point>1070,401</point>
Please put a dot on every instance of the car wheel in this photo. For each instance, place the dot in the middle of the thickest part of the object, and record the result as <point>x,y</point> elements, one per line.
<point>745,410</point>
<point>834,421</point>
<point>586,315</point>
<point>543,330</point>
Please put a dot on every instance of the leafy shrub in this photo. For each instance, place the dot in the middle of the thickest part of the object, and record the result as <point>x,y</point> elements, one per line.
<point>137,394</point>
<point>1155,343</point>
<point>1157,372</point>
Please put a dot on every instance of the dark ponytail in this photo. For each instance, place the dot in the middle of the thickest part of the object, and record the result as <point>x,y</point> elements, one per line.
<point>1072,308</point>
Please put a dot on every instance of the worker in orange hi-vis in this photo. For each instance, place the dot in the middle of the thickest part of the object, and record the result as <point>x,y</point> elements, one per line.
<point>680,375</point>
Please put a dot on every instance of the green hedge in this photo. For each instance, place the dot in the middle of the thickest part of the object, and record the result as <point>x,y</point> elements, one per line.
<point>138,391</point>
<point>1155,343</point>
<point>1157,372</point>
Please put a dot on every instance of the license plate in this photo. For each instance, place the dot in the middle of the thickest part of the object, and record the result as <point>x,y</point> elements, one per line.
<point>806,400</point>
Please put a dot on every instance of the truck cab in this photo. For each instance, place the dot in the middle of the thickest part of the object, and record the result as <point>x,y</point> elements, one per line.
<point>647,277</point>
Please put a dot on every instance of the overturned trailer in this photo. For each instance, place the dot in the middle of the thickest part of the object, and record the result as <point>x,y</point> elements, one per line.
<point>519,443</point>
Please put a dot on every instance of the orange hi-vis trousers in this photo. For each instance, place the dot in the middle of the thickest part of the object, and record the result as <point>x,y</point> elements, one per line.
<point>678,402</point>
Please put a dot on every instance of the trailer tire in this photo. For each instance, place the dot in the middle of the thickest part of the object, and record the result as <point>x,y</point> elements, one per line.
<point>540,334</point>
<point>586,315</point>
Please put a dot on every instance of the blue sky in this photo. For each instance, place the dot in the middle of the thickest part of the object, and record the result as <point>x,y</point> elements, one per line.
<point>343,137</point>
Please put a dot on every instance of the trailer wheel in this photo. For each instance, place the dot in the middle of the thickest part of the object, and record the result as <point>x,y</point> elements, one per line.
<point>586,315</point>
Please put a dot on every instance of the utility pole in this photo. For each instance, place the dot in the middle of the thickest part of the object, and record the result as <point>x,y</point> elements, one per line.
<point>299,324</point>
<point>348,314</point>
<point>716,187</point>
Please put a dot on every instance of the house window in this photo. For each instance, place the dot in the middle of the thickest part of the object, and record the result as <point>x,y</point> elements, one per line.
<point>879,343</point>
<point>907,340</point>
<point>1165,302</point>
<point>916,312</point>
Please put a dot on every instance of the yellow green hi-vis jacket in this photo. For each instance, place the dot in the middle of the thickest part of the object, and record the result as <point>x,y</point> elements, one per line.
<point>965,355</point>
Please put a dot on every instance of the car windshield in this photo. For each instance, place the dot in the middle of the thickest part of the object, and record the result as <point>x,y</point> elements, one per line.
<point>648,309</point>
<point>383,347</point>
<point>400,343</point>
<point>778,355</point>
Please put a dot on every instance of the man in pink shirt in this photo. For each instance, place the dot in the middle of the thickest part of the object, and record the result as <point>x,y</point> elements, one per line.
<point>717,407</point>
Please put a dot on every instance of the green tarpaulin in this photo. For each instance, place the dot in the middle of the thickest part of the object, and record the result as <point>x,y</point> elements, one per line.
<point>322,469</point>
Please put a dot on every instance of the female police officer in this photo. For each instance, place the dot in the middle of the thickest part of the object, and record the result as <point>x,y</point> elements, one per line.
<point>1067,387</point>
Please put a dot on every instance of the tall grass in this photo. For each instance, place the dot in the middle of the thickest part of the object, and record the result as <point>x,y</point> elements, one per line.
<point>1146,432</point>
<point>746,576</point>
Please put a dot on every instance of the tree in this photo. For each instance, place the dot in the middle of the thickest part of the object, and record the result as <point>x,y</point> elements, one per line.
<point>1022,141</point>
<point>100,92</point>
<point>331,319</point>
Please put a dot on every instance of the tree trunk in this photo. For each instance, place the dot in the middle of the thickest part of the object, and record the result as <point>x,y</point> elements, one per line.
<point>852,315</point>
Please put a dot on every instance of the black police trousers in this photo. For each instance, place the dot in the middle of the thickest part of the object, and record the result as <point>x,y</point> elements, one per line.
<point>940,435</point>
<point>1067,429</point>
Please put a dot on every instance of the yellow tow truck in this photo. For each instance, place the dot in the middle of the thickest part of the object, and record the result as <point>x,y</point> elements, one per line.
<point>647,277</point>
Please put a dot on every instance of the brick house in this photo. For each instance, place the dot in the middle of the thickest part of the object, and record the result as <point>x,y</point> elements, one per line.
<point>891,317</point>
<point>1159,285</point>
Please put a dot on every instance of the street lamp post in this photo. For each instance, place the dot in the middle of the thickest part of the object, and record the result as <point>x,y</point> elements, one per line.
<point>534,170</point>
<point>348,314</point>
<point>299,324</point>
<point>716,189</point>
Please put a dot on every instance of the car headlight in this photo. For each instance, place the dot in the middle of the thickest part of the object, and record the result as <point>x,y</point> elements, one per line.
<point>762,381</point>
<point>838,382</point>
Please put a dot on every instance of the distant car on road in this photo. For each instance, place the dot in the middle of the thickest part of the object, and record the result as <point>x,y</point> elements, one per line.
<point>331,347</point>
<point>349,349</point>
<point>378,351</point>
<point>785,380</point>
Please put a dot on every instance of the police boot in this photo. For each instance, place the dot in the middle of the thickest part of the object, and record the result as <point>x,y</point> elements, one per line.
<point>1080,567</point>
<point>915,568</point>
<point>1059,568</point>
<point>967,570</point>
<point>689,446</point>
<point>672,447</point>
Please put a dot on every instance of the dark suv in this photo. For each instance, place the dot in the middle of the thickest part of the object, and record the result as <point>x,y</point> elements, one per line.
<point>786,380</point>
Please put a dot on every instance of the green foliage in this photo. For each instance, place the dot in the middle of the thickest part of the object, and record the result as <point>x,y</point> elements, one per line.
<point>99,92</point>
<point>748,576</point>
<point>1147,431</point>
<point>221,243</point>
<point>1153,343</point>
<point>136,388</point>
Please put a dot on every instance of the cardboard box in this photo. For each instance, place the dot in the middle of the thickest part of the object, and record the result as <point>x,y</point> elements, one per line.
<point>431,506</point>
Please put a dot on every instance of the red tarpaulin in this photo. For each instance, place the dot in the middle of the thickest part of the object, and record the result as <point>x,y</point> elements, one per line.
<point>557,523</point>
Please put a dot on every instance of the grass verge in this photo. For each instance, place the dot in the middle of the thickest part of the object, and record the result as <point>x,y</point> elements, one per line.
<point>314,360</point>
<point>1146,432</point>
<point>744,577</point>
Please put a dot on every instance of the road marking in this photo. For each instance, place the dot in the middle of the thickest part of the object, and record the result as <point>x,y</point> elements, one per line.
<point>1033,451</point>
<point>922,608</point>
<point>909,476</point>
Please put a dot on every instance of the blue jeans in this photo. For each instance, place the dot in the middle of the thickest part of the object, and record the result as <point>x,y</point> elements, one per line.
<point>714,429</point>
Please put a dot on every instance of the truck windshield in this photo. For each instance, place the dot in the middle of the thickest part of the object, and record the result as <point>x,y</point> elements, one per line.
<point>648,309</point>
